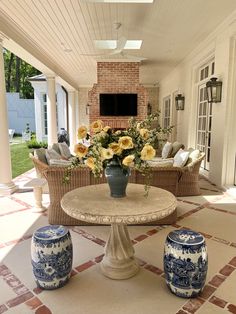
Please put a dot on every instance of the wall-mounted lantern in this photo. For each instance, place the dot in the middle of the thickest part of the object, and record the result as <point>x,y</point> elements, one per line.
<point>149,108</point>
<point>179,102</point>
<point>87,109</point>
<point>214,90</point>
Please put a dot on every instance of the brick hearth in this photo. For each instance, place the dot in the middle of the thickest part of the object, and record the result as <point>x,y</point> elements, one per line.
<point>117,77</point>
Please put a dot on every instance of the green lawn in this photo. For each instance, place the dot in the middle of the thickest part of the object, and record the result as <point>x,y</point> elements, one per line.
<point>20,159</point>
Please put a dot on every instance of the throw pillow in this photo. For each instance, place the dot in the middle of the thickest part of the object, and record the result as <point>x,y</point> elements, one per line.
<point>166,150</point>
<point>40,154</point>
<point>193,155</point>
<point>175,148</point>
<point>51,154</point>
<point>64,150</point>
<point>181,158</point>
<point>55,146</point>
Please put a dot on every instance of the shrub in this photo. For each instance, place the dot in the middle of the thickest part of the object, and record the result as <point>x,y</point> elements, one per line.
<point>35,144</point>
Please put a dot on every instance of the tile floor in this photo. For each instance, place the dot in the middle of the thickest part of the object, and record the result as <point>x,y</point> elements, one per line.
<point>88,292</point>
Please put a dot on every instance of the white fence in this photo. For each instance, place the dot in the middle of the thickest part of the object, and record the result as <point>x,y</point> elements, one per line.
<point>20,112</point>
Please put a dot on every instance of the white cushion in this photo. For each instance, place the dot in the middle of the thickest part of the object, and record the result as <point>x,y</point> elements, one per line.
<point>51,154</point>
<point>194,155</point>
<point>59,162</point>
<point>166,150</point>
<point>64,150</point>
<point>161,163</point>
<point>180,158</point>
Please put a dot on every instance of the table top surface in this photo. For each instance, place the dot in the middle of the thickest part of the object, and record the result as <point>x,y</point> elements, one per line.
<point>94,204</point>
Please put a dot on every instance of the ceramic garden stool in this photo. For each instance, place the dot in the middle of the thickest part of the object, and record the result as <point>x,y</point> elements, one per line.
<point>185,262</point>
<point>51,256</point>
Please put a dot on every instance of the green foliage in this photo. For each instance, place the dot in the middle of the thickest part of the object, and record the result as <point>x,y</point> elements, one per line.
<point>16,73</point>
<point>20,159</point>
<point>33,143</point>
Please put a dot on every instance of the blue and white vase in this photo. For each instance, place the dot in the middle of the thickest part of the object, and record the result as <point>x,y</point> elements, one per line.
<point>51,256</point>
<point>185,262</point>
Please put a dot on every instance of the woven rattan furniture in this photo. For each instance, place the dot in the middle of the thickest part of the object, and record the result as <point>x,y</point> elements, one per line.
<point>189,180</point>
<point>173,179</point>
<point>94,204</point>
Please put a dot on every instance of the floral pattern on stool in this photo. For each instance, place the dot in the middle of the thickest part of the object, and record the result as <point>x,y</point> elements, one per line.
<point>51,256</point>
<point>185,262</point>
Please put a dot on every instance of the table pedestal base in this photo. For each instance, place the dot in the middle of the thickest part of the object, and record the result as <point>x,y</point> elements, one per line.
<point>119,261</point>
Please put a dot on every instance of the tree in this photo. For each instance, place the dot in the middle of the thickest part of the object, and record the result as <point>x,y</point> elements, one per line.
<point>16,73</point>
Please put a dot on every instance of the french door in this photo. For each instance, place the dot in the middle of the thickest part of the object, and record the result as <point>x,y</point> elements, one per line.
<point>204,125</point>
<point>166,112</point>
<point>204,117</point>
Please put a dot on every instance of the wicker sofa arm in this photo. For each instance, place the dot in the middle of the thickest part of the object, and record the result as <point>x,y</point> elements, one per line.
<point>163,177</point>
<point>40,166</point>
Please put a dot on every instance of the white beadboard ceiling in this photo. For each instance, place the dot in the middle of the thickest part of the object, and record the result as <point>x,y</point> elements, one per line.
<point>59,33</point>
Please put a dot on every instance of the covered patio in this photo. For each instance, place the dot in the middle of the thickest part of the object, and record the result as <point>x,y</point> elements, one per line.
<point>182,45</point>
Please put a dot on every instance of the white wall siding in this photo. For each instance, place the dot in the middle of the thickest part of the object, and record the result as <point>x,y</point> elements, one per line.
<point>183,78</point>
<point>20,112</point>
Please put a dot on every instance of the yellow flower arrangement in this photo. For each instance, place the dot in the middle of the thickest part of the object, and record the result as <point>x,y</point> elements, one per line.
<point>131,147</point>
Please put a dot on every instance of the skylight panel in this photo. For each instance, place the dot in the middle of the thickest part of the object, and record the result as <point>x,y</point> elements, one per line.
<point>112,44</point>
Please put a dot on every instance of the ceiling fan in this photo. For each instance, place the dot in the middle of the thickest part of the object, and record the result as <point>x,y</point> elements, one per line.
<point>119,49</point>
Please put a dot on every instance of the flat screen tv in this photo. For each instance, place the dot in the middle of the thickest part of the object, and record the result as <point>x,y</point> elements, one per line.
<point>118,104</point>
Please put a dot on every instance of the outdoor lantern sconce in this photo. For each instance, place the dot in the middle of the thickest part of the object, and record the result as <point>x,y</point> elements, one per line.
<point>214,90</point>
<point>87,109</point>
<point>179,102</point>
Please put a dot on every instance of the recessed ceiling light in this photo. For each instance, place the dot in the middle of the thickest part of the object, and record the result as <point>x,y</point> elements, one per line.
<point>112,44</point>
<point>65,47</point>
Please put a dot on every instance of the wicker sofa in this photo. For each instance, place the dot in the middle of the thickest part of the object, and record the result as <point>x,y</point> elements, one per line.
<point>179,181</point>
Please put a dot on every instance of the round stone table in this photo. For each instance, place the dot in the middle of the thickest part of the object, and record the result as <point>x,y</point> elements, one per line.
<point>93,204</point>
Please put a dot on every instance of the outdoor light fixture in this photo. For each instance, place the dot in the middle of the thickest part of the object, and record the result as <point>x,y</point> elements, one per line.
<point>87,109</point>
<point>214,90</point>
<point>179,102</point>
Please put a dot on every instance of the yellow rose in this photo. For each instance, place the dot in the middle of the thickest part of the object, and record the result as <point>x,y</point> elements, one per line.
<point>82,132</point>
<point>148,152</point>
<point>106,128</point>
<point>144,133</point>
<point>80,150</point>
<point>90,162</point>
<point>97,126</point>
<point>138,126</point>
<point>126,142</point>
<point>128,160</point>
<point>106,153</point>
<point>116,148</point>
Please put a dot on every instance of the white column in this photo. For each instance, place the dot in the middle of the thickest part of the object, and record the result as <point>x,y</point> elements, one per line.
<point>6,185</point>
<point>72,119</point>
<point>51,110</point>
<point>77,124</point>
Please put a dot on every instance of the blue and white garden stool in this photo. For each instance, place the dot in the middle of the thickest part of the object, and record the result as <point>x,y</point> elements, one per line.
<point>185,262</point>
<point>51,256</point>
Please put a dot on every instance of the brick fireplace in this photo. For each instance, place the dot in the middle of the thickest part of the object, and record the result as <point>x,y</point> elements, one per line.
<point>117,77</point>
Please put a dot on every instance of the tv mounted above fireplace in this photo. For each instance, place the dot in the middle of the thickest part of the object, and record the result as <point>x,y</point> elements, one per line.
<point>118,104</point>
